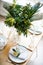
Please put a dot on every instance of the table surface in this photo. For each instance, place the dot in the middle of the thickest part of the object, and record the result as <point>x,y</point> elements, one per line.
<point>4,60</point>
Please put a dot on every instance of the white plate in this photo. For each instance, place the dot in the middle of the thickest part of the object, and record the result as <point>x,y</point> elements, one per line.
<point>2,41</point>
<point>36,32</point>
<point>23,54</point>
<point>35,29</point>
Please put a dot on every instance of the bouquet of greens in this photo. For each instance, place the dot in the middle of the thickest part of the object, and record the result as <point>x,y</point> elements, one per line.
<point>21,16</point>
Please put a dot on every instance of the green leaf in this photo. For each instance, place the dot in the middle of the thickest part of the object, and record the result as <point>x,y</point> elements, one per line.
<point>20,16</point>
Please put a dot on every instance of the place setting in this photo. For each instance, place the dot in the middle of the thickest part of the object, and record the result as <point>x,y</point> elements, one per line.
<point>18,54</point>
<point>35,30</point>
<point>3,42</point>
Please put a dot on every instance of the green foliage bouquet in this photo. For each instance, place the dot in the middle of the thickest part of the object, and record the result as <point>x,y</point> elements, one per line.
<point>21,16</point>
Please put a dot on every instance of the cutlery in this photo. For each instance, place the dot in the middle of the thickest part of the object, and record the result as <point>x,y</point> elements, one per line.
<point>16,57</point>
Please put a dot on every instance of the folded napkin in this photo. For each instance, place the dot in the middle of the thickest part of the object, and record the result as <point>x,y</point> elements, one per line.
<point>23,55</point>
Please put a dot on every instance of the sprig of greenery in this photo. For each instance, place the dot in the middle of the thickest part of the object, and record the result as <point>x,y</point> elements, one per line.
<point>20,16</point>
